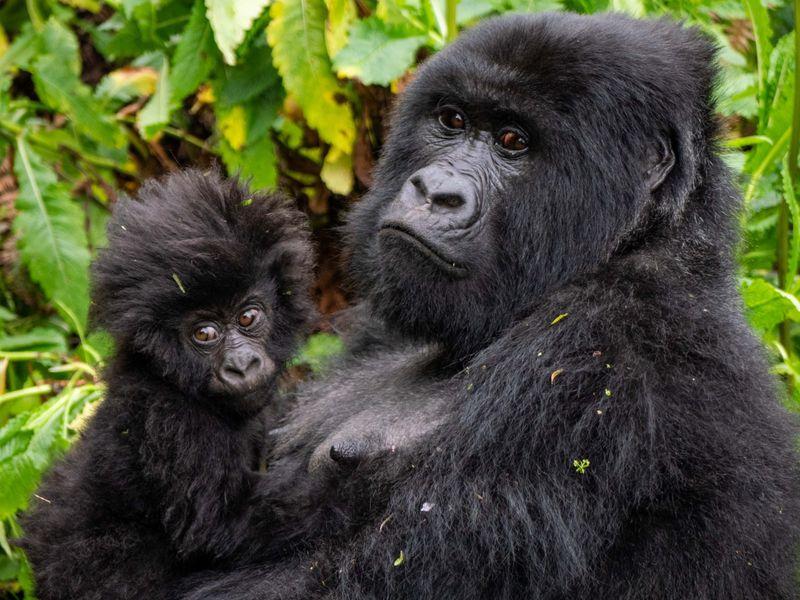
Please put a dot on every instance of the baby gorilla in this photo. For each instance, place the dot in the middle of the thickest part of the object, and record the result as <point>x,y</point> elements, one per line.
<point>204,289</point>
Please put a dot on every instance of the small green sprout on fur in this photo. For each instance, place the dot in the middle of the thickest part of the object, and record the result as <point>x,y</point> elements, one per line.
<point>179,282</point>
<point>247,202</point>
<point>400,560</point>
<point>560,317</point>
<point>607,392</point>
<point>581,465</point>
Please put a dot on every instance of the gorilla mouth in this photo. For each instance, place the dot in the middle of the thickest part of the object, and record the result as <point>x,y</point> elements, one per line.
<point>424,247</point>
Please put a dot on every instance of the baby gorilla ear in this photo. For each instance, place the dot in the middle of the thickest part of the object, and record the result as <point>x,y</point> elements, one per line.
<point>660,161</point>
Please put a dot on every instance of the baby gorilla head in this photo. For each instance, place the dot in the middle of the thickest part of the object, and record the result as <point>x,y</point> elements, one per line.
<point>206,284</point>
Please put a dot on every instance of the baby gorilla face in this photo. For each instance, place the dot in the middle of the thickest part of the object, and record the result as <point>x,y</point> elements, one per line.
<point>233,343</point>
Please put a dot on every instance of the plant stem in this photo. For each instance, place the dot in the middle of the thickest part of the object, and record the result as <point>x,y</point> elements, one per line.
<point>784,277</point>
<point>450,15</point>
<point>35,16</point>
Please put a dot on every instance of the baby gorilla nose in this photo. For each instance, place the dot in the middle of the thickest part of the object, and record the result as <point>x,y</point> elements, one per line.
<point>244,368</point>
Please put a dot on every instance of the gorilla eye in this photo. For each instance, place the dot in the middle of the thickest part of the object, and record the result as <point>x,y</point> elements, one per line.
<point>248,317</point>
<point>452,119</point>
<point>512,140</point>
<point>205,334</point>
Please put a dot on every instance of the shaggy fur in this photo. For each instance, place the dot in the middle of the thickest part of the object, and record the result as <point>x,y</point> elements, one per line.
<point>160,482</point>
<point>599,323</point>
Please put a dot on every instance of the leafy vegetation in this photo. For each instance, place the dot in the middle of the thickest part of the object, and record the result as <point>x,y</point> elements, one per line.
<point>95,97</point>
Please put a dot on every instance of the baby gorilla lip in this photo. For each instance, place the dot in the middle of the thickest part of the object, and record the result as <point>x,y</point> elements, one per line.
<point>423,246</point>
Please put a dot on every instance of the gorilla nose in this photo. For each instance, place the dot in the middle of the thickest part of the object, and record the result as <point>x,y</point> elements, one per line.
<point>241,368</point>
<point>443,188</point>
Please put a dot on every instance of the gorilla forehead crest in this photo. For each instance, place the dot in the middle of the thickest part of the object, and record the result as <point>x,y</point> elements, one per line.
<point>566,61</point>
<point>193,235</point>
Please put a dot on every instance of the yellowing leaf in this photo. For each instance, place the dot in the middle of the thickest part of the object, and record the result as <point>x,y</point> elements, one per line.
<point>233,126</point>
<point>341,13</point>
<point>230,20</point>
<point>400,560</point>
<point>297,36</point>
<point>337,172</point>
<point>205,95</point>
<point>139,80</point>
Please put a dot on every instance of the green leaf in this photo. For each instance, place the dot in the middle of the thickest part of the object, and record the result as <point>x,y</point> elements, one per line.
<point>790,195</point>
<point>297,36</point>
<point>230,20</point>
<point>21,51</point>
<point>152,119</point>
<point>58,40</point>
<point>318,350</point>
<point>377,53</point>
<point>50,234</point>
<point>40,339</point>
<point>24,455</point>
<point>63,92</point>
<point>56,73</point>
<point>195,56</point>
<point>246,146</point>
<point>763,34</point>
<point>767,305</point>
<point>255,75</point>
<point>30,442</point>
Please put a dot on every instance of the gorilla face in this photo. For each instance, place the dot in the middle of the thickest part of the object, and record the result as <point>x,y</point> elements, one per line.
<point>440,215</point>
<point>520,156</point>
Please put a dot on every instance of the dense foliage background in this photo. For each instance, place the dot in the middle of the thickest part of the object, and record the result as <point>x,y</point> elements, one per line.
<point>95,96</point>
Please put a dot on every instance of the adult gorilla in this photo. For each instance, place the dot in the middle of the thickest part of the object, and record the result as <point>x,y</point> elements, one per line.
<point>589,415</point>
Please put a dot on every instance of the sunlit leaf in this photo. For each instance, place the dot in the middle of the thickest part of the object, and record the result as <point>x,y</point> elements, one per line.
<point>195,55</point>
<point>155,115</point>
<point>230,20</point>
<point>341,14</point>
<point>337,172</point>
<point>377,53</point>
<point>297,36</point>
<point>50,235</point>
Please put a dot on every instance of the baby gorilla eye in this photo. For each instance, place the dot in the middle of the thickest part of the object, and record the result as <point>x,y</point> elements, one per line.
<point>512,140</point>
<point>205,334</point>
<point>248,317</point>
<point>452,119</point>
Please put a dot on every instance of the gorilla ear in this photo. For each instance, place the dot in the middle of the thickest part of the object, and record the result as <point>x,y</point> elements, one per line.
<point>660,161</point>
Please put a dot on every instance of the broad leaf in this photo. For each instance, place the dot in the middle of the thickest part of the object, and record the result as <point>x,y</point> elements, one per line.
<point>341,14</point>
<point>767,305</point>
<point>246,146</point>
<point>155,114</point>
<point>378,53</point>
<point>230,20</point>
<point>195,56</point>
<point>50,233</point>
<point>297,36</point>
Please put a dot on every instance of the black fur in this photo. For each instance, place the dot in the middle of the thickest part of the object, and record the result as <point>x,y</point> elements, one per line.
<point>159,483</point>
<point>690,487</point>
